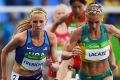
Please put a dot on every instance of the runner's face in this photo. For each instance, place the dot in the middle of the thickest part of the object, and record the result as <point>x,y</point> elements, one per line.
<point>59,13</point>
<point>94,21</point>
<point>77,8</point>
<point>38,21</point>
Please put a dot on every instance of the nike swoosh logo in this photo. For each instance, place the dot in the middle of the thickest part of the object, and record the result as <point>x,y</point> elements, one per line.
<point>29,48</point>
<point>45,48</point>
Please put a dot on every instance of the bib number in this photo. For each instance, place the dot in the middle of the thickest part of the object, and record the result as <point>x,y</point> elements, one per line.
<point>14,76</point>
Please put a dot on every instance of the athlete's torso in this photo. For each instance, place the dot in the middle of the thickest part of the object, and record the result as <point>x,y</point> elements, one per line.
<point>95,53</point>
<point>72,23</point>
<point>32,57</point>
<point>94,50</point>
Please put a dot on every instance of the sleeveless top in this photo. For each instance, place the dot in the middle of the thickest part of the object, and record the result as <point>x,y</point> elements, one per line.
<point>32,57</point>
<point>72,25</point>
<point>94,50</point>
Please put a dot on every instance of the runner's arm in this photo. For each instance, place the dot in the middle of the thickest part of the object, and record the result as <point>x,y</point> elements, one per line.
<point>53,42</point>
<point>114,31</point>
<point>69,49</point>
<point>55,25</point>
<point>8,48</point>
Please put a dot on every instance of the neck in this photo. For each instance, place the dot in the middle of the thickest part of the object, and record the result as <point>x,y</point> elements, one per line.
<point>78,17</point>
<point>95,34</point>
<point>94,31</point>
<point>37,35</point>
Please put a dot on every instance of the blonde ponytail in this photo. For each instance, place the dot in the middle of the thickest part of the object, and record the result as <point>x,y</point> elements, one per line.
<point>25,24</point>
<point>22,26</point>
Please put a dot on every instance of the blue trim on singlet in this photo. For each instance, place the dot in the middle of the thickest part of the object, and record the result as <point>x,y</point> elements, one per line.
<point>34,77</point>
<point>30,47</point>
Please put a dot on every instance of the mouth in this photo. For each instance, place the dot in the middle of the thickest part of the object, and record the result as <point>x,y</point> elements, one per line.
<point>37,29</point>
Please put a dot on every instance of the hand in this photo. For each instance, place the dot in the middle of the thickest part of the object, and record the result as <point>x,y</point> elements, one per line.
<point>114,67</point>
<point>48,62</point>
<point>55,66</point>
<point>76,51</point>
<point>70,67</point>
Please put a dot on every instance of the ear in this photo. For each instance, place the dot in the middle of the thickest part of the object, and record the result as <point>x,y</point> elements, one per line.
<point>30,21</point>
<point>102,18</point>
<point>46,21</point>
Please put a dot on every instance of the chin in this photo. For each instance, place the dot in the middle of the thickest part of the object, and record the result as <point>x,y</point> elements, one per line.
<point>37,31</point>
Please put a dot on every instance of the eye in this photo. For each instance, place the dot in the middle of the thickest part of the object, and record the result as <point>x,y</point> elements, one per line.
<point>93,22</point>
<point>80,6</point>
<point>35,21</point>
<point>58,13</point>
<point>41,21</point>
<point>90,22</point>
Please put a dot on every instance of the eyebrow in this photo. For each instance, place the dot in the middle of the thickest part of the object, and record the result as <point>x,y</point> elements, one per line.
<point>93,21</point>
<point>35,21</point>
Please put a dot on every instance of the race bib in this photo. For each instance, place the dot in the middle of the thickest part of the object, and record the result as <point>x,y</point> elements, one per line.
<point>71,29</point>
<point>14,76</point>
<point>33,64</point>
<point>97,54</point>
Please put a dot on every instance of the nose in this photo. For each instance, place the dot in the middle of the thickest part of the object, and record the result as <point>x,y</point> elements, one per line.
<point>94,25</point>
<point>38,24</point>
<point>77,9</point>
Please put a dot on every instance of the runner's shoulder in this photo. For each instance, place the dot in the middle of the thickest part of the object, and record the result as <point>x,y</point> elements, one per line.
<point>20,36</point>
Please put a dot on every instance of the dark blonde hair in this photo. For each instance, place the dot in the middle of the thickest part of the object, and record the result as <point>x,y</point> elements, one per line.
<point>94,8</point>
<point>25,24</point>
